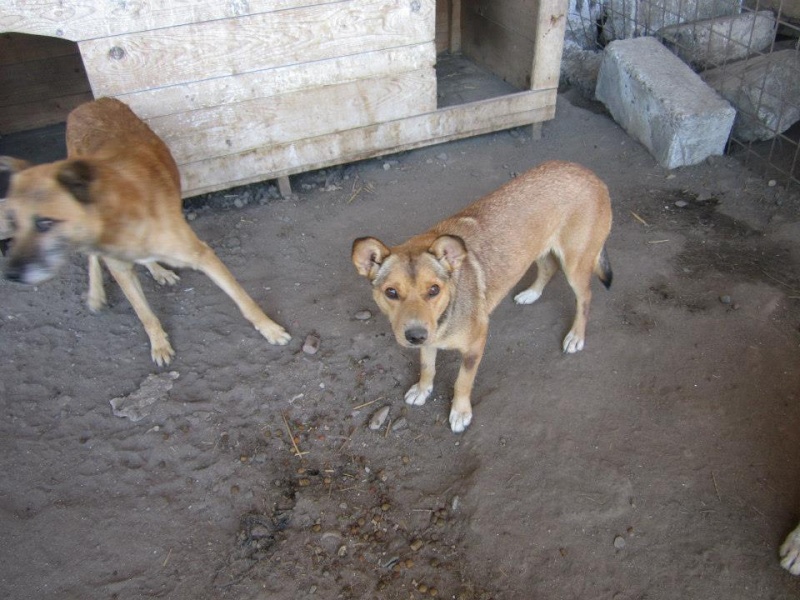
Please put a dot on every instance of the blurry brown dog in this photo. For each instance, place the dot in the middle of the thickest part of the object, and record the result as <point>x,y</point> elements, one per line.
<point>116,197</point>
<point>439,288</point>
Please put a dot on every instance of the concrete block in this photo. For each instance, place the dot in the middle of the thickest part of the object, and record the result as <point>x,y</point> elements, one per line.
<point>713,42</point>
<point>765,91</point>
<point>662,103</point>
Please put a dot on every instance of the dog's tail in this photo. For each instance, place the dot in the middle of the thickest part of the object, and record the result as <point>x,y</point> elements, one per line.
<point>602,268</point>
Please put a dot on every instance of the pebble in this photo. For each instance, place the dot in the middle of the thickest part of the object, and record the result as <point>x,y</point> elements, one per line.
<point>379,418</point>
<point>725,299</point>
<point>238,203</point>
<point>400,424</point>
<point>363,315</point>
<point>311,345</point>
<point>681,204</point>
<point>442,156</point>
<point>619,542</point>
<point>417,544</point>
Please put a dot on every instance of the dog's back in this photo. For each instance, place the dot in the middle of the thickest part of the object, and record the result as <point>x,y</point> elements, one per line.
<point>107,129</point>
<point>560,206</point>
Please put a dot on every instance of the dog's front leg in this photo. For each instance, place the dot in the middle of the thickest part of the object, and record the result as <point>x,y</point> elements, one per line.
<point>207,261</point>
<point>96,298</point>
<point>420,391</point>
<point>461,409</point>
<point>160,349</point>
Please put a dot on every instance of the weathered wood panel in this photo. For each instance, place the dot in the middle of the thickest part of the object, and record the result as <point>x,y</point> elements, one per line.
<point>356,144</point>
<point>209,93</point>
<point>41,80</point>
<point>236,128</point>
<point>551,24</point>
<point>89,19</point>
<point>150,59</point>
<point>499,36</point>
<point>443,10</point>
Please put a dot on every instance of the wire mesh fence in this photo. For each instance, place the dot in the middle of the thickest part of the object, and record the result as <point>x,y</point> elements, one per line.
<point>748,51</point>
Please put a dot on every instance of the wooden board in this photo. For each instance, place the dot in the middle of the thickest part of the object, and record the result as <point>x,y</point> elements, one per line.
<point>499,36</point>
<point>208,93</point>
<point>287,118</point>
<point>90,19</point>
<point>178,55</point>
<point>356,144</point>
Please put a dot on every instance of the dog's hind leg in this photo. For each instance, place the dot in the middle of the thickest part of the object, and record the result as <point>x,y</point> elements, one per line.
<point>160,349</point>
<point>96,298</point>
<point>579,276</point>
<point>546,267</point>
<point>161,275</point>
<point>201,256</point>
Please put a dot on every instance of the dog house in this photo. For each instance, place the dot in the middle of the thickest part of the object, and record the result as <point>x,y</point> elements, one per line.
<point>249,90</point>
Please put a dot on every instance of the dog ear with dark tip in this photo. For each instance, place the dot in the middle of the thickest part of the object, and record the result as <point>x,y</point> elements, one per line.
<point>368,254</point>
<point>76,176</point>
<point>13,165</point>
<point>450,251</point>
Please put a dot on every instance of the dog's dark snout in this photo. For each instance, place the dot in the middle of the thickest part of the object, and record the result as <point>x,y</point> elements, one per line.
<point>416,335</point>
<point>14,274</point>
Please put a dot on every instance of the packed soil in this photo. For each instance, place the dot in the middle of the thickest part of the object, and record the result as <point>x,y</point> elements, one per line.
<point>661,462</point>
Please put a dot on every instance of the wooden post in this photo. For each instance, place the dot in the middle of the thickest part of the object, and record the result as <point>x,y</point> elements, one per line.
<point>551,23</point>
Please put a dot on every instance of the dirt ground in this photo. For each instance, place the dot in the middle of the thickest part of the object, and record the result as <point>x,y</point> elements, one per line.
<point>663,461</point>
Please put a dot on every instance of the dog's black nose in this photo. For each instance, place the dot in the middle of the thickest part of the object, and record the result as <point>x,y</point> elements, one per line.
<point>14,274</point>
<point>416,335</point>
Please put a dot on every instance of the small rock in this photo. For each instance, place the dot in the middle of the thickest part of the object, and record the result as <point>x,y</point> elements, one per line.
<point>379,418</point>
<point>191,216</point>
<point>311,345</point>
<point>681,204</point>
<point>342,551</point>
<point>386,166</point>
<point>619,542</point>
<point>442,156</point>
<point>725,299</point>
<point>400,424</point>
<point>363,315</point>
<point>238,203</point>
<point>417,544</point>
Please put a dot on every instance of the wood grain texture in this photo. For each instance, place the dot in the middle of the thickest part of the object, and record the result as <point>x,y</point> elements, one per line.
<point>356,144</point>
<point>177,55</point>
<point>293,118</point>
<point>208,93</point>
<point>80,20</point>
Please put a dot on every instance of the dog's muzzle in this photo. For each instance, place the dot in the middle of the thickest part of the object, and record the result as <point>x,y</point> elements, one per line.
<point>416,336</point>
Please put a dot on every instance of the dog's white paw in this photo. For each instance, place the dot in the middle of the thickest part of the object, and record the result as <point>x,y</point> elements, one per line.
<point>790,552</point>
<point>96,301</point>
<point>274,333</point>
<point>459,421</point>
<point>417,396</point>
<point>572,343</point>
<point>527,297</point>
<point>163,276</point>
<point>162,353</point>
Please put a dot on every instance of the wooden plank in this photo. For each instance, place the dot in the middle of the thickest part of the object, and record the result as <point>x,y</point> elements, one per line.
<point>455,26</point>
<point>90,19</point>
<point>19,47</point>
<point>35,80</point>
<point>49,111</point>
<point>289,118</point>
<point>518,16</point>
<point>383,138</point>
<point>209,93</point>
<point>551,23</point>
<point>176,55</point>
<point>442,26</point>
<point>497,46</point>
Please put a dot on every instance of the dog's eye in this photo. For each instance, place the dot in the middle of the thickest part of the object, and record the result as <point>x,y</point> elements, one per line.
<point>391,293</point>
<point>433,291</point>
<point>43,224</point>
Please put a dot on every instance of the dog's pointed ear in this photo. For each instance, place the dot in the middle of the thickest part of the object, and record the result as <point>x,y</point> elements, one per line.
<point>13,165</point>
<point>76,176</point>
<point>450,251</point>
<point>368,254</point>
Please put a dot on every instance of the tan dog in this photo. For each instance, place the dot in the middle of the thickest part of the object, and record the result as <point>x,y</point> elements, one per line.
<point>116,197</point>
<point>439,288</point>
